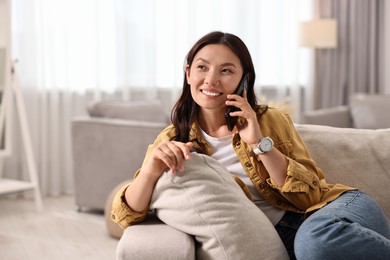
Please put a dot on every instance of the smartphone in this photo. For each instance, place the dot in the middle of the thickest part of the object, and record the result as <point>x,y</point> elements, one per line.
<point>232,120</point>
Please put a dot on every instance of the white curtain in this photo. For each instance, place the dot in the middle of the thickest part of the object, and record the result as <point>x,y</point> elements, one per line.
<point>70,52</point>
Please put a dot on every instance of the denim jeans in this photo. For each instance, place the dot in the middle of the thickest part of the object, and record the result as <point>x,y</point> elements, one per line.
<point>351,227</point>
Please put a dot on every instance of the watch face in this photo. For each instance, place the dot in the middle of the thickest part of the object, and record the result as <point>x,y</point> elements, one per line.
<point>265,145</point>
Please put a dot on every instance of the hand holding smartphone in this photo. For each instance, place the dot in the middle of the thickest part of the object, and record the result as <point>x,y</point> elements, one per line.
<point>232,120</point>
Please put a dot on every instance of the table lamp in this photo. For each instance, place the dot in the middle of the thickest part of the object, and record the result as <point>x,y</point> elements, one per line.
<point>318,34</point>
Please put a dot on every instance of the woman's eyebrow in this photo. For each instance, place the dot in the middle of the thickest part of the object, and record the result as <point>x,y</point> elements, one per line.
<point>228,64</point>
<point>203,60</point>
<point>222,65</point>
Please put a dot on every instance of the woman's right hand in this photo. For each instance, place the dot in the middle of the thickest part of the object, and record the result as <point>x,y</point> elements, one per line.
<point>168,155</point>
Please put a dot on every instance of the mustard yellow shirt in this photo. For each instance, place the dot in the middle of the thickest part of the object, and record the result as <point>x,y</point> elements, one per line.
<point>305,189</point>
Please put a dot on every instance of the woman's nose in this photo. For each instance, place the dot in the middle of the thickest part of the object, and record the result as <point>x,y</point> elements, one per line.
<point>212,79</point>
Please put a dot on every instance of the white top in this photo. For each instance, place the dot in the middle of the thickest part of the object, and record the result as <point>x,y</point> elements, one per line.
<point>224,153</point>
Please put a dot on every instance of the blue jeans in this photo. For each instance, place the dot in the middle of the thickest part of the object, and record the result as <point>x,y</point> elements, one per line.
<point>351,227</point>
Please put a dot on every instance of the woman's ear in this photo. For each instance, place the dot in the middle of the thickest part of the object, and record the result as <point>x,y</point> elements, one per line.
<point>187,73</point>
<point>248,76</point>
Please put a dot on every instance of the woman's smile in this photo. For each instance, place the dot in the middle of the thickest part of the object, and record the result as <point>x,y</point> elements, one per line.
<point>211,93</point>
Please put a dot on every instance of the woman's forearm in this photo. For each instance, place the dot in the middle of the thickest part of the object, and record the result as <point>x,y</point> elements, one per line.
<point>276,165</point>
<point>140,191</point>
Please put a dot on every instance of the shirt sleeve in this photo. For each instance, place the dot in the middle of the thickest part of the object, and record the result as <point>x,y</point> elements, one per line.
<point>302,186</point>
<point>122,214</point>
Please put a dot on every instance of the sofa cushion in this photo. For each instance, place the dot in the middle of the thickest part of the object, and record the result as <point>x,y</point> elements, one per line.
<point>354,157</point>
<point>370,111</point>
<point>206,202</point>
<point>151,110</point>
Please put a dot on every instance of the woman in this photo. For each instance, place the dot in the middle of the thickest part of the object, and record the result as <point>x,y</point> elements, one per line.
<point>283,180</point>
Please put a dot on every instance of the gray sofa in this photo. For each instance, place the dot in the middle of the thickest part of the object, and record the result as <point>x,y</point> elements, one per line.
<point>109,147</point>
<point>365,111</point>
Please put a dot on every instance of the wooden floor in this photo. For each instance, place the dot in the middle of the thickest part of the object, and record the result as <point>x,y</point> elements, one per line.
<point>57,232</point>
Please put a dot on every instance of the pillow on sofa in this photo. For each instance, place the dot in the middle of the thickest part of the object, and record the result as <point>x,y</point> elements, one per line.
<point>206,202</point>
<point>151,110</point>
<point>370,111</point>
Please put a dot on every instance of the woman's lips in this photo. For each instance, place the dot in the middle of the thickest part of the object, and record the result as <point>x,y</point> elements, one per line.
<point>211,93</point>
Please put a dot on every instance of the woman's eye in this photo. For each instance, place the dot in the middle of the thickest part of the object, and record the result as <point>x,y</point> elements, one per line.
<point>201,67</point>
<point>225,71</point>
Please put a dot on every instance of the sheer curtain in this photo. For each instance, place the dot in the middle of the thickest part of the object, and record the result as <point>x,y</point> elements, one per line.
<point>71,52</point>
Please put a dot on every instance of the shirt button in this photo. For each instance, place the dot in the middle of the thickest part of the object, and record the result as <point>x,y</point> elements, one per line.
<point>248,164</point>
<point>113,216</point>
<point>262,185</point>
<point>279,202</point>
<point>315,183</point>
<point>237,144</point>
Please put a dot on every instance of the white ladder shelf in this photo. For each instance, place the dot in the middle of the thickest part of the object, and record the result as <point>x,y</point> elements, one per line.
<point>13,95</point>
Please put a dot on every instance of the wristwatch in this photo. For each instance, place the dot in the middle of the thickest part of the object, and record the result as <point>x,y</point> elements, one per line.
<point>264,146</point>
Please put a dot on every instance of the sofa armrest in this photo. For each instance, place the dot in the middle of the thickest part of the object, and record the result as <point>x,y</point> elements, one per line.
<point>339,116</point>
<point>152,239</point>
<point>105,153</point>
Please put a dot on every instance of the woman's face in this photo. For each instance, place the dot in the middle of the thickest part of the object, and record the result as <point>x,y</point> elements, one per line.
<point>214,73</point>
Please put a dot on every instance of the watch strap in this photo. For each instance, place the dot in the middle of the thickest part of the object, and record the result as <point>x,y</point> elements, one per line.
<point>257,150</point>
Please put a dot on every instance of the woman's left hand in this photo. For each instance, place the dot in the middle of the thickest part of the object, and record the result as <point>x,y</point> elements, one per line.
<point>249,131</point>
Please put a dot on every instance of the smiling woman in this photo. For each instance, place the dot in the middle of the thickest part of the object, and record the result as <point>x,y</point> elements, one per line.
<point>262,157</point>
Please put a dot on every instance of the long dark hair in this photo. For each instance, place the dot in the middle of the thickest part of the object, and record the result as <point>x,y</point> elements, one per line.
<point>185,111</point>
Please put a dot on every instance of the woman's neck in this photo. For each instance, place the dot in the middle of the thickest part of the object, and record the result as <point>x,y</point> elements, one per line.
<point>213,124</point>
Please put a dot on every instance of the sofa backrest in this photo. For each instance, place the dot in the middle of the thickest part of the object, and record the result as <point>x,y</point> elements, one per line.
<point>354,157</point>
<point>365,111</point>
<point>370,111</point>
<point>339,116</point>
<point>148,110</point>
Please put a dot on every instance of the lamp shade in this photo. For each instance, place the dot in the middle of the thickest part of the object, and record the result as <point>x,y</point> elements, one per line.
<point>318,33</point>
